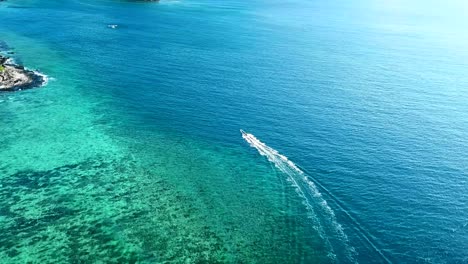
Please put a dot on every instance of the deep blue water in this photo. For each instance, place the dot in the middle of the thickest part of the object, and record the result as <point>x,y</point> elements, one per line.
<point>367,98</point>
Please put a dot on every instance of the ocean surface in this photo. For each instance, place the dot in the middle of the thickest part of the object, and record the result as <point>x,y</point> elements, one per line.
<point>354,150</point>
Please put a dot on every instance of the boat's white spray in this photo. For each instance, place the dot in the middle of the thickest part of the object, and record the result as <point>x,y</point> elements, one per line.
<point>322,216</point>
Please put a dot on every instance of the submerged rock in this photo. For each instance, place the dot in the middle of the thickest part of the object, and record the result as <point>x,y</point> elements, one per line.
<point>15,77</point>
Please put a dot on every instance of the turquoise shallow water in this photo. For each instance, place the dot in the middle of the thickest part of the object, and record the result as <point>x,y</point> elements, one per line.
<point>132,152</point>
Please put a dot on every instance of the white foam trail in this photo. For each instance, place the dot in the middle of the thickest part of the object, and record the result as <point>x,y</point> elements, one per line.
<point>322,215</point>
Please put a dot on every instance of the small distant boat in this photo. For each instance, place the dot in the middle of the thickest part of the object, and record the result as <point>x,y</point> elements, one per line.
<point>113,26</point>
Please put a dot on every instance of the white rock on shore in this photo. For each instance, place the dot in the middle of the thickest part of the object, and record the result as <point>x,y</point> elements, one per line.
<point>14,77</point>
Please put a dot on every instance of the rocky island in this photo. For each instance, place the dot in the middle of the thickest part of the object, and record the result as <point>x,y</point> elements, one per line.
<point>14,77</point>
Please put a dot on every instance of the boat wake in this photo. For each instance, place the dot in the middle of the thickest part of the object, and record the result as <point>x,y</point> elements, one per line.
<point>322,215</point>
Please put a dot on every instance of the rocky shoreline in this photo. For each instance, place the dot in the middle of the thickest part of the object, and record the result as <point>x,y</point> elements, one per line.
<point>14,77</point>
